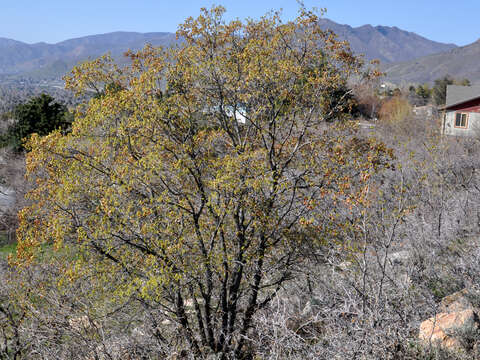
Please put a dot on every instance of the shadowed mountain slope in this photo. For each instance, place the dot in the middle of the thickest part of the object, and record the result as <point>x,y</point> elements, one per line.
<point>17,57</point>
<point>387,44</point>
<point>462,62</point>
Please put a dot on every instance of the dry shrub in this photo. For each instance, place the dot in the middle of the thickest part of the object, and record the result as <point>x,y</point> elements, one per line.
<point>368,102</point>
<point>395,110</point>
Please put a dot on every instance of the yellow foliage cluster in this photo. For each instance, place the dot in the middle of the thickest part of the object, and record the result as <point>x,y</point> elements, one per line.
<point>395,110</point>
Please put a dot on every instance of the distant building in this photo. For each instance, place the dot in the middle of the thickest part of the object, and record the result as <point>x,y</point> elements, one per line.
<point>240,114</point>
<point>427,110</point>
<point>462,111</point>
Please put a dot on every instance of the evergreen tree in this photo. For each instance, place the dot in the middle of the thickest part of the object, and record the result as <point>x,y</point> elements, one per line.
<point>41,115</point>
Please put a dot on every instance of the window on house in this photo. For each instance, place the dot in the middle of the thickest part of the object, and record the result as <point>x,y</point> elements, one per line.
<point>461,120</point>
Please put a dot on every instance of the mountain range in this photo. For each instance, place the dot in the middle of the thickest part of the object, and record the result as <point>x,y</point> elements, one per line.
<point>405,56</point>
<point>53,60</point>
<point>462,62</point>
<point>387,44</point>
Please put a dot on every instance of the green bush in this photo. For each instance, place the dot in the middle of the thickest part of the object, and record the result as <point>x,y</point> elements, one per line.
<point>41,115</point>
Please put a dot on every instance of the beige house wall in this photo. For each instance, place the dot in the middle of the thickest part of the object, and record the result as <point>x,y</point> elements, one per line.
<point>472,128</point>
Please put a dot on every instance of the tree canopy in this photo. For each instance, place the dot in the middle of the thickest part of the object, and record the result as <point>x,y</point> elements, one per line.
<point>439,89</point>
<point>40,115</point>
<point>163,193</point>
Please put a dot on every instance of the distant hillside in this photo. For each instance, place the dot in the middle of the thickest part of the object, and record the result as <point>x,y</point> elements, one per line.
<point>462,62</point>
<point>52,60</point>
<point>44,61</point>
<point>388,44</point>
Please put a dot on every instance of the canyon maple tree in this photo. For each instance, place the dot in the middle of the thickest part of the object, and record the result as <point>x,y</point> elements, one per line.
<point>200,180</point>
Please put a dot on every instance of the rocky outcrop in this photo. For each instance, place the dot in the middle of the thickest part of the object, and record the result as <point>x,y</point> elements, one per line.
<point>446,329</point>
<point>83,324</point>
<point>456,302</point>
<point>400,257</point>
<point>453,326</point>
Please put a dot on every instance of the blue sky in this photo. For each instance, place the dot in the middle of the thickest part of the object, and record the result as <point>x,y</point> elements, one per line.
<point>56,20</point>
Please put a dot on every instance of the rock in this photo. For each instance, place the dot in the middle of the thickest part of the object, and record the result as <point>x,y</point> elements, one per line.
<point>399,257</point>
<point>82,323</point>
<point>166,322</point>
<point>310,306</point>
<point>138,332</point>
<point>445,329</point>
<point>405,280</point>
<point>458,320</point>
<point>455,302</point>
<point>213,356</point>
<point>343,266</point>
<point>302,325</point>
